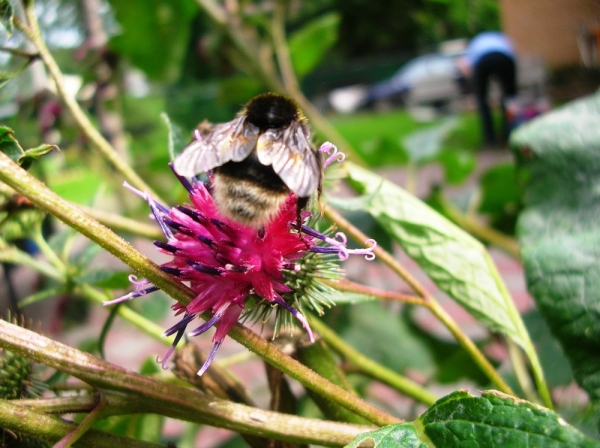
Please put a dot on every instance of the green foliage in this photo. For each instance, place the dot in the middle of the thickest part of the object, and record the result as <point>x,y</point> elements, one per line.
<point>457,262</point>
<point>153,34</point>
<point>371,328</point>
<point>11,147</point>
<point>7,16</point>
<point>559,155</point>
<point>309,45</point>
<point>461,419</point>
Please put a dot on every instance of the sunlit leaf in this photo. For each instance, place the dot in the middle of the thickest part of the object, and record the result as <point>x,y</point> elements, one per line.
<point>455,261</point>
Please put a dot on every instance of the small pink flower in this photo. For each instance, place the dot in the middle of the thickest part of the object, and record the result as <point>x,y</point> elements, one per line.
<point>226,263</point>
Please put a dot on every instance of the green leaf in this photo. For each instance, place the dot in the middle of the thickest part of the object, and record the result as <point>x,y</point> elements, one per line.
<point>425,144</point>
<point>310,44</point>
<point>559,155</point>
<point>105,278</point>
<point>154,34</point>
<point>494,419</point>
<point>457,164</point>
<point>394,436</point>
<point>7,16</point>
<point>78,184</point>
<point>455,261</point>
<point>368,326</point>
<point>10,146</point>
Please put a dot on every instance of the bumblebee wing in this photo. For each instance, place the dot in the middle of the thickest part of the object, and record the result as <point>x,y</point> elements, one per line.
<point>293,159</point>
<point>233,140</point>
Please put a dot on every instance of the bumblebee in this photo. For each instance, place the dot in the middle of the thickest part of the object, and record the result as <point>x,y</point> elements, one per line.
<point>257,159</point>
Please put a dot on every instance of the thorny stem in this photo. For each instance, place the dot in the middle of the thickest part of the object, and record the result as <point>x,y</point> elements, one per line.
<point>121,224</point>
<point>39,194</point>
<point>429,301</point>
<point>33,33</point>
<point>349,286</point>
<point>479,358</point>
<point>92,417</point>
<point>372,368</point>
<point>130,393</point>
<point>23,420</point>
<point>384,256</point>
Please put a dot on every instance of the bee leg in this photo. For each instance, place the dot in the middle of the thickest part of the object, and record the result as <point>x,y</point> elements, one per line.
<point>261,233</point>
<point>301,204</point>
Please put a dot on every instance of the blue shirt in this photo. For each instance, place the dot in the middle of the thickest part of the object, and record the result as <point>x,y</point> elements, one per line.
<point>485,43</point>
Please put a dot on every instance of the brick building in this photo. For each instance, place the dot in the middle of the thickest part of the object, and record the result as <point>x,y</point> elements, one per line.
<point>560,32</point>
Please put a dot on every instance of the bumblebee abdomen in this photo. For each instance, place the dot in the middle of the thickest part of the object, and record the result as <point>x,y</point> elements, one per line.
<point>245,201</point>
<point>249,192</point>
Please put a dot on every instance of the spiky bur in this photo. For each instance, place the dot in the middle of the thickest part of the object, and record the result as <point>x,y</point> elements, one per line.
<point>19,378</point>
<point>239,272</point>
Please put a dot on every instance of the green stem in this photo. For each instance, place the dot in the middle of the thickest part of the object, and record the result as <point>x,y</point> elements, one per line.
<point>21,420</point>
<point>347,285</point>
<point>16,256</point>
<point>127,314</point>
<point>372,368</point>
<point>48,252</point>
<point>39,194</point>
<point>538,375</point>
<point>469,346</point>
<point>524,340</point>
<point>128,392</point>
<point>104,147</point>
<point>90,419</point>
<point>429,301</point>
<point>382,255</point>
<point>42,295</point>
<point>517,360</point>
<point>119,223</point>
<point>27,185</point>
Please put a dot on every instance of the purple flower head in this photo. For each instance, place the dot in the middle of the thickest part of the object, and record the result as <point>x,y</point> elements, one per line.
<point>238,271</point>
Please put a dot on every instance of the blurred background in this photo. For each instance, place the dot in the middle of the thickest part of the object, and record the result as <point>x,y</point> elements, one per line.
<point>383,73</point>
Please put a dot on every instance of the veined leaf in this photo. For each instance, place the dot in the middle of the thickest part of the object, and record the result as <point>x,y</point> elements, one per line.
<point>494,419</point>
<point>458,264</point>
<point>559,156</point>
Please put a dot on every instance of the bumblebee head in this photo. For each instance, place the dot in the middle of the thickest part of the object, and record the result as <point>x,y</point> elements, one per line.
<point>271,111</point>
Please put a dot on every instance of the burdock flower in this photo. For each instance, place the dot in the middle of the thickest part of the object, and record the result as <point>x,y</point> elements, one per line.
<point>238,271</point>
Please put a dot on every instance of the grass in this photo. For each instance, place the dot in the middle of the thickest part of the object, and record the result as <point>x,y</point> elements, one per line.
<point>377,136</point>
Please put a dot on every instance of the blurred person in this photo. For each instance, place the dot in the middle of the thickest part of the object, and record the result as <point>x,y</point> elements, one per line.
<point>490,55</point>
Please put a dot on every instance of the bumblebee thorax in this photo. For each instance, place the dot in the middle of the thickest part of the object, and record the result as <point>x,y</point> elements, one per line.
<point>271,111</point>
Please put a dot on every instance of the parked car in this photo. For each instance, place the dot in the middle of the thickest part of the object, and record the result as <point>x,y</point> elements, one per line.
<point>429,79</point>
